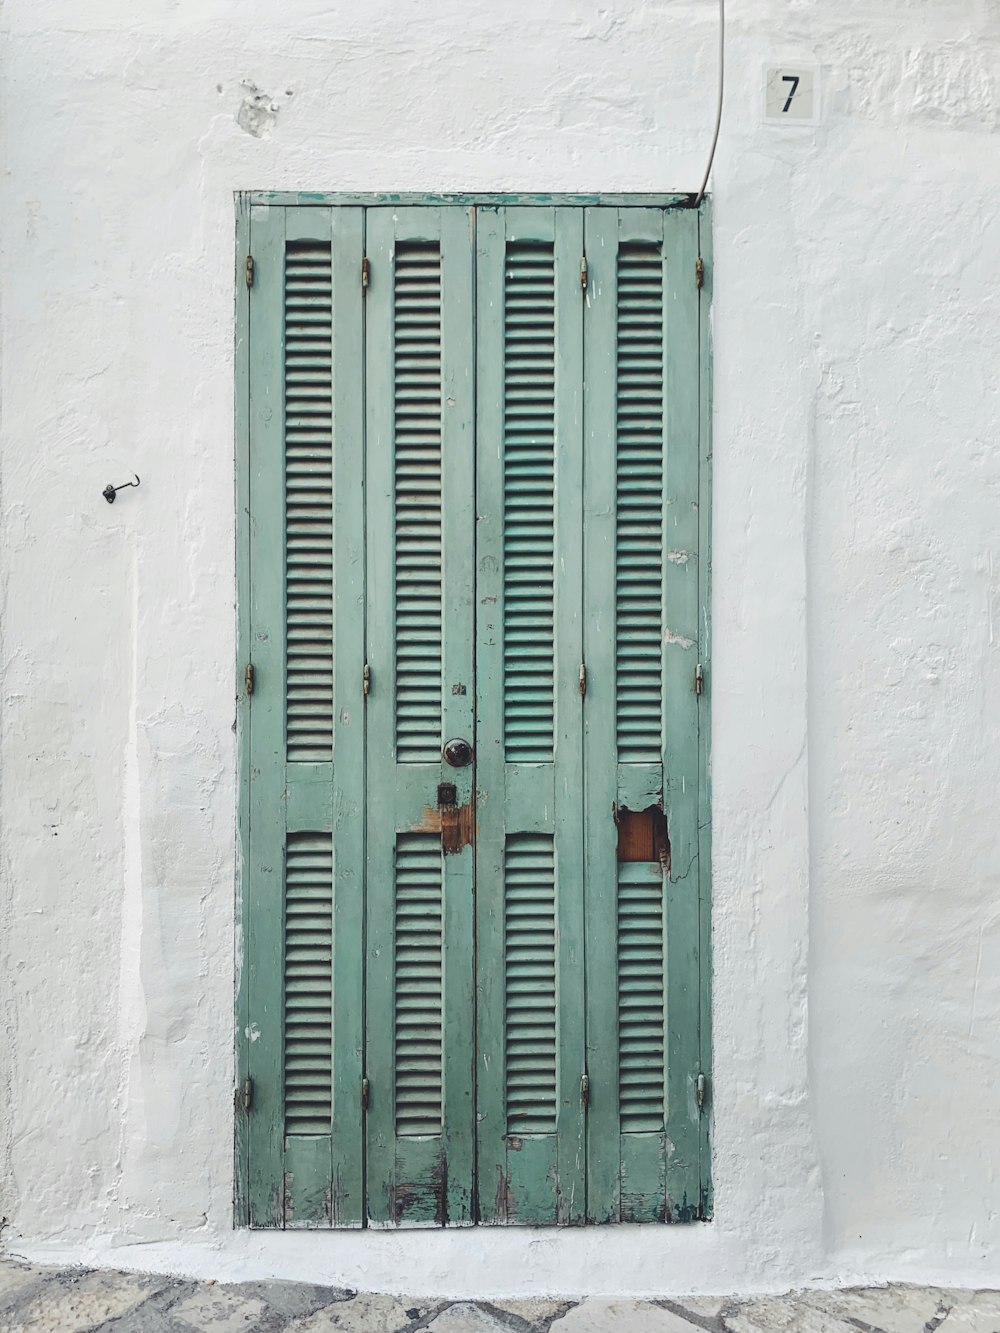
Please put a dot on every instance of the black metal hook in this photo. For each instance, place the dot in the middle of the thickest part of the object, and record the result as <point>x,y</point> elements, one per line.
<point>110,491</point>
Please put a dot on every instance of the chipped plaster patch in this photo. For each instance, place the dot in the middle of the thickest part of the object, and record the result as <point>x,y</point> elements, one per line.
<point>258,112</point>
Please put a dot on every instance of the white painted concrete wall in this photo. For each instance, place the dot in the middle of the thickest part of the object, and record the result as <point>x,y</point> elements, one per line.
<point>856,662</point>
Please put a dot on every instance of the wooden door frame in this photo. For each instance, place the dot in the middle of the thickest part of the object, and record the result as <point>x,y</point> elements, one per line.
<point>244,202</point>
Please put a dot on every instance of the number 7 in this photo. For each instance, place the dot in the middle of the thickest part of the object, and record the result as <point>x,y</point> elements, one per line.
<point>793,79</point>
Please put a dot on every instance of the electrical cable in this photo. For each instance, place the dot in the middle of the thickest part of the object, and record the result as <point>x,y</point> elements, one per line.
<point>718,109</point>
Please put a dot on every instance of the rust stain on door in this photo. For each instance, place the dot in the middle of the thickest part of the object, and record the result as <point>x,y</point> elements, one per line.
<point>455,823</point>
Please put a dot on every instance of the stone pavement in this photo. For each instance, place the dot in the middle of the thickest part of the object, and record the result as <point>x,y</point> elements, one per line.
<point>76,1300</point>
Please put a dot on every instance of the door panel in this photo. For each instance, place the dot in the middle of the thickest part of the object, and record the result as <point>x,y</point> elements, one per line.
<point>291,550</point>
<point>529,652</point>
<point>419,390</point>
<point>301,879</point>
<point>642,764</point>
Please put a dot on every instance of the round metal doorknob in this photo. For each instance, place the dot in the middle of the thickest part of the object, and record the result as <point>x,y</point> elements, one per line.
<point>457,752</point>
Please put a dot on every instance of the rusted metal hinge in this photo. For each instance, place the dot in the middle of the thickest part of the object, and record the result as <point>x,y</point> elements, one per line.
<point>699,679</point>
<point>244,1096</point>
<point>583,273</point>
<point>249,678</point>
<point>366,273</point>
<point>365,1094</point>
<point>700,1090</point>
<point>583,679</point>
<point>585,1090</point>
<point>699,271</point>
<point>249,270</point>
<point>366,681</point>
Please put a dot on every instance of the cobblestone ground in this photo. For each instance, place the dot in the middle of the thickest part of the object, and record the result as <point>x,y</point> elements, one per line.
<point>61,1300</point>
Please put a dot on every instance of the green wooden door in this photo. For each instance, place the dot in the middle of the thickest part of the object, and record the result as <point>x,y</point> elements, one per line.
<point>472,989</point>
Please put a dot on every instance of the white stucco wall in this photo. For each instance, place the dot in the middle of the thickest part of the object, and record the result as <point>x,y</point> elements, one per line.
<point>856,662</point>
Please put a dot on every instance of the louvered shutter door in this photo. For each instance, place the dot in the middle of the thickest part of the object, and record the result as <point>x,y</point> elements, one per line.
<point>475,478</point>
<point>305,934</point>
<point>420,954</point>
<point>641,634</point>
<point>529,650</point>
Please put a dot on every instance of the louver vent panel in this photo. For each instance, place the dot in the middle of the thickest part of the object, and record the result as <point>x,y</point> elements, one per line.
<point>640,999</point>
<point>639,490</point>
<point>308,502</point>
<point>417,417</point>
<point>529,509</point>
<point>419,964</point>
<point>308,982</point>
<point>530,983</point>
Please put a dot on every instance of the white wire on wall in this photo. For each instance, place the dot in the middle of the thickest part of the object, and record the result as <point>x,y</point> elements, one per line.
<point>718,108</point>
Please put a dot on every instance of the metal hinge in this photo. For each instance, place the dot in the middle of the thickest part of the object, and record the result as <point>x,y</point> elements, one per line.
<point>244,1096</point>
<point>585,1090</point>
<point>583,273</point>
<point>366,681</point>
<point>700,1090</point>
<point>583,679</point>
<point>699,679</point>
<point>366,273</point>
<point>365,1093</point>
<point>249,270</point>
<point>249,678</point>
<point>699,271</point>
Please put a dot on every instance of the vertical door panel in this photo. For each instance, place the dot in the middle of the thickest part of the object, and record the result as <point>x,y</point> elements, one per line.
<point>642,765</point>
<point>682,634</point>
<point>305,1157</point>
<point>419,390</point>
<point>530,1059</point>
<point>349,816</point>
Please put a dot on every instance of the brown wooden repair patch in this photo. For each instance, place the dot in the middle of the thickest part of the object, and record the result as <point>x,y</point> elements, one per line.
<point>430,822</point>
<point>642,835</point>
<point>455,823</point>
<point>457,827</point>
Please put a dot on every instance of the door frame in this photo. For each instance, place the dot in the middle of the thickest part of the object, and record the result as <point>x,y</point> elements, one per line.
<point>244,202</point>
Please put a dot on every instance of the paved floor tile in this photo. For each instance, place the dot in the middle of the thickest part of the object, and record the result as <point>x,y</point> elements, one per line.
<point>292,1299</point>
<point>889,1309</point>
<point>536,1314</point>
<point>973,1312</point>
<point>785,1315</point>
<point>363,1314</point>
<point>597,1316</point>
<point>211,1309</point>
<point>15,1277</point>
<point>464,1317</point>
<point>703,1311</point>
<point>146,1319</point>
<point>75,1302</point>
<point>979,1300</point>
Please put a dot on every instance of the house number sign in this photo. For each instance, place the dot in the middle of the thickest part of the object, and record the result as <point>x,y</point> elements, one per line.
<point>791,94</point>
